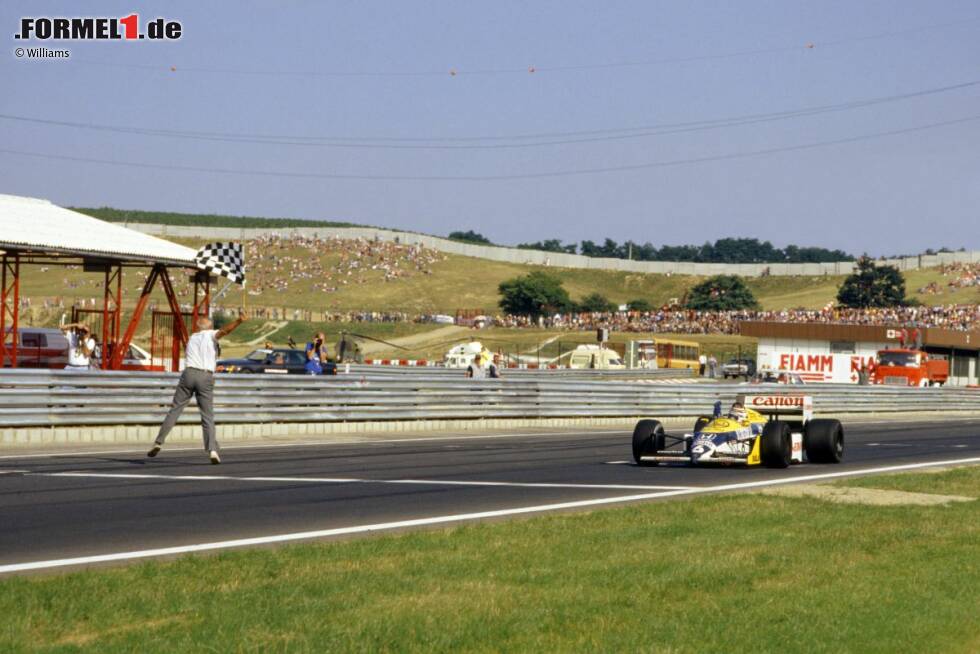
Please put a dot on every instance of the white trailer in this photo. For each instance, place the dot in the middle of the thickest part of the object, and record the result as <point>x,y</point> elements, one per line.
<point>817,361</point>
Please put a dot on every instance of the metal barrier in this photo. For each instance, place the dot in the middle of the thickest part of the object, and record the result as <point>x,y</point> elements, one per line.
<point>32,398</point>
<point>520,373</point>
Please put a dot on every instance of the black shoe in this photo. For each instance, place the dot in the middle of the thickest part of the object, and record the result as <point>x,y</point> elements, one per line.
<point>154,450</point>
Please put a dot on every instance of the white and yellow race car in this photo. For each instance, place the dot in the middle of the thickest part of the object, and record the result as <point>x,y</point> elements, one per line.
<point>770,430</point>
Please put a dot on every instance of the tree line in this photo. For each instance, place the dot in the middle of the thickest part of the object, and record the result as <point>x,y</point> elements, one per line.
<point>723,250</point>
<point>539,293</point>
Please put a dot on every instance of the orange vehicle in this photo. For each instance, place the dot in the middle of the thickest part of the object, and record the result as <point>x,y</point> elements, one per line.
<point>908,367</point>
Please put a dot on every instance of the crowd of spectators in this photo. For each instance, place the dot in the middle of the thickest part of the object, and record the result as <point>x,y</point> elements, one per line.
<point>683,321</point>
<point>278,263</point>
<point>960,275</point>
<point>678,321</point>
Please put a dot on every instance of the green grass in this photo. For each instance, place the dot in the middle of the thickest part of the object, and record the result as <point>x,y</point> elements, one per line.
<point>552,342</point>
<point>958,481</point>
<point>739,573</point>
<point>301,332</point>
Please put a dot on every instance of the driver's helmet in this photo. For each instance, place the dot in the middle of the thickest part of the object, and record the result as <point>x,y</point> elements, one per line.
<point>738,412</point>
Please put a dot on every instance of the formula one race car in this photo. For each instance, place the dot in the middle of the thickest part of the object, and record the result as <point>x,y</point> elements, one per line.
<point>769,430</point>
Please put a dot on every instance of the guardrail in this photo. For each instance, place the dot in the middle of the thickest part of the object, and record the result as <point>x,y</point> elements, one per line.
<point>43,398</point>
<point>584,374</point>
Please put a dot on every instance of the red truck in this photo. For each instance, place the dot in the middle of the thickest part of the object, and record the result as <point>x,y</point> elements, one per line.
<point>909,367</point>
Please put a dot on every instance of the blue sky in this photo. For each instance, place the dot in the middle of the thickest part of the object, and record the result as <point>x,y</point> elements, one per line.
<point>380,70</point>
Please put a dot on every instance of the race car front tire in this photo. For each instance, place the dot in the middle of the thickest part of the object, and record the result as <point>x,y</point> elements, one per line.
<point>823,441</point>
<point>648,437</point>
<point>776,447</point>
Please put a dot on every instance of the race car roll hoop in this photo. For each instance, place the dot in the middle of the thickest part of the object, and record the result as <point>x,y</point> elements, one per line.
<point>770,430</point>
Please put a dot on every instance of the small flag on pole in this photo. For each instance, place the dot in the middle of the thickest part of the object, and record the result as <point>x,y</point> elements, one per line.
<point>225,259</point>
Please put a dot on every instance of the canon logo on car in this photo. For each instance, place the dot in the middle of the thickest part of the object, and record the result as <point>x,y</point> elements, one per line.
<point>776,400</point>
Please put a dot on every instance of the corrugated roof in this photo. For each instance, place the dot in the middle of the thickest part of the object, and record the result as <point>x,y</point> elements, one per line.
<point>38,225</point>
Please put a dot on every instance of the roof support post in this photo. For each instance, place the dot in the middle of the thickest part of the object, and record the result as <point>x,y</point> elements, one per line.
<point>9,304</point>
<point>180,329</point>
<point>118,352</point>
<point>111,320</point>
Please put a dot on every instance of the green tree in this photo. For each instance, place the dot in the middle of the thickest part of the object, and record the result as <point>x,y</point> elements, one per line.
<point>549,245</point>
<point>534,294</point>
<point>872,286</point>
<point>596,303</point>
<point>639,305</point>
<point>469,236</point>
<point>721,293</point>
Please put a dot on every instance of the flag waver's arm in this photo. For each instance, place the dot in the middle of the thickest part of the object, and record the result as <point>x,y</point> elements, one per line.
<point>230,327</point>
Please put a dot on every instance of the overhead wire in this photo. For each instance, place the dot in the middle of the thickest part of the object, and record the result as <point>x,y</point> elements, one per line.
<point>508,177</point>
<point>471,142</point>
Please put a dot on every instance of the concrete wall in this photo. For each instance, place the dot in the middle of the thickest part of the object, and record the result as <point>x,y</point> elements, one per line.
<point>537,257</point>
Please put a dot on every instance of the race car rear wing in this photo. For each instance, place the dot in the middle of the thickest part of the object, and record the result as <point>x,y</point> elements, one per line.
<point>778,406</point>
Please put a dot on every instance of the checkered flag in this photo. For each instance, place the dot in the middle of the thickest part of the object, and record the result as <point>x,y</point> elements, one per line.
<point>225,259</point>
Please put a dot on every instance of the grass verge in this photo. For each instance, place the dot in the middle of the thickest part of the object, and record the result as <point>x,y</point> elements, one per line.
<point>738,573</point>
<point>550,343</point>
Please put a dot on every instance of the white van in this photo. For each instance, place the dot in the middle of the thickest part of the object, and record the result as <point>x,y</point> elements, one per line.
<point>38,347</point>
<point>596,358</point>
<point>461,356</point>
<point>45,347</point>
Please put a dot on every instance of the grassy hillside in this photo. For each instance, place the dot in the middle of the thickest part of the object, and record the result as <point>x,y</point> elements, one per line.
<point>454,282</point>
<point>340,276</point>
<point>201,220</point>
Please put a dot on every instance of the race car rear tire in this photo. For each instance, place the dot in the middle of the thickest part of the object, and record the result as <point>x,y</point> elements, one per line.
<point>648,437</point>
<point>823,441</point>
<point>776,446</point>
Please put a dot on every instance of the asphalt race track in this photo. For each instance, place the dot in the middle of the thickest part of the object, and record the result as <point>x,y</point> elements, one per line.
<point>67,509</point>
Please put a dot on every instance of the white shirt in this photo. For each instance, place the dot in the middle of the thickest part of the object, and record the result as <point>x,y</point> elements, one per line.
<point>478,372</point>
<point>200,352</point>
<point>76,356</point>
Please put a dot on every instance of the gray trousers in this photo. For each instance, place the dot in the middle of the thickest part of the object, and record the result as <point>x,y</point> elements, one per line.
<point>200,384</point>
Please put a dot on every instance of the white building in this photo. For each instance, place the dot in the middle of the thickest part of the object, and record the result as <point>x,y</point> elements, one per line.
<point>822,352</point>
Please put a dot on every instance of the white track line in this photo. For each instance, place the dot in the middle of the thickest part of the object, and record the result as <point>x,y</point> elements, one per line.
<point>352,480</point>
<point>436,520</point>
<point>324,443</point>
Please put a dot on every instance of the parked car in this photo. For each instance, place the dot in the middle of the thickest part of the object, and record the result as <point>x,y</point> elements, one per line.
<point>46,347</point>
<point>38,347</point>
<point>139,359</point>
<point>275,361</point>
<point>778,377</point>
<point>738,368</point>
<point>595,357</point>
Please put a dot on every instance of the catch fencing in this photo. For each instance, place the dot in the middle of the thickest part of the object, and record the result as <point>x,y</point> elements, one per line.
<point>38,398</point>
